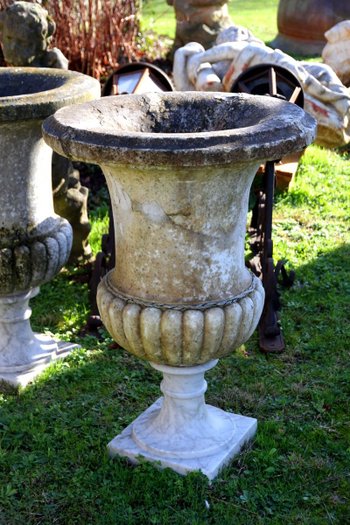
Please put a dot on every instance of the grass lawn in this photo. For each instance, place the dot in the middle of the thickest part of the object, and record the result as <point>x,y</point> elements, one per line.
<point>54,469</point>
<point>53,463</point>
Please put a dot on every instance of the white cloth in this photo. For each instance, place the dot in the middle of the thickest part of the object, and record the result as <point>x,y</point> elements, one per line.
<point>216,69</point>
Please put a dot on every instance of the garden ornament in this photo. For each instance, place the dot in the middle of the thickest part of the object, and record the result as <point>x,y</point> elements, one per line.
<point>26,30</point>
<point>302,24</point>
<point>179,168</point>
<point>217,68</point>
<point>199,20</point>
<point>34,241</point>
<point>336,52</point>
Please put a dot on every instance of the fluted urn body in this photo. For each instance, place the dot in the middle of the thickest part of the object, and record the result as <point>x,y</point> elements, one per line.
<point>179,168</point>
<point>34,242</point>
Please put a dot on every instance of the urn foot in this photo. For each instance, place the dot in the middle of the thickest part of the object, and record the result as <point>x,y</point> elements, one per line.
<point>181,431</point>
<point>24,354</point>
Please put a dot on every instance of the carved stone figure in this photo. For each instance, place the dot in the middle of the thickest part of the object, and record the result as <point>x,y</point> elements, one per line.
<point>26,30</point>
<point>336,53</point>
<point>25,33</point>
<point>216,69</point>
<point>199,21</point>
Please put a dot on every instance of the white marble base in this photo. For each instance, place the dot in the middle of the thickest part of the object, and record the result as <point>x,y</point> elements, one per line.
<point>22,377</point>
<point>181,431</point>
<point>24,354</point>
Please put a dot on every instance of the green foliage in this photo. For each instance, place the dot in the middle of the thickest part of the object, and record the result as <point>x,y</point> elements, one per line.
<point>99,225</point>
<point>262,22</point>
<point>158,17</point>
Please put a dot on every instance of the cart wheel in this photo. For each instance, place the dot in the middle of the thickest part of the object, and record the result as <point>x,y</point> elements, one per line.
<point>268,79</point>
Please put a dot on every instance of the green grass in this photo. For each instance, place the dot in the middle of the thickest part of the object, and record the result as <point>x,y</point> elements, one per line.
<point>261,22</point>
<point>53,463</point>
<point>159,17</point>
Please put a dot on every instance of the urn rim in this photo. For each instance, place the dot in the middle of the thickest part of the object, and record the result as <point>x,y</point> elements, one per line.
<point>100,131</point>
<point>28,93</point>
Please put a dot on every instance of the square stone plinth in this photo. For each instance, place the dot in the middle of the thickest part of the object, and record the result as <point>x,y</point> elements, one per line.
<point>124,445</point>
<point>55,350</point>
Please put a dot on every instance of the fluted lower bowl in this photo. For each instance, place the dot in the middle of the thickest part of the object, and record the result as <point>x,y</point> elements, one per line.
<point>31,261</point>
<point>180,335</point>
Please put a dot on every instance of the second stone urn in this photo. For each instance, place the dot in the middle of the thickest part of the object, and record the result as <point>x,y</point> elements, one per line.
<point>34,242</point>
<point>179,167</point>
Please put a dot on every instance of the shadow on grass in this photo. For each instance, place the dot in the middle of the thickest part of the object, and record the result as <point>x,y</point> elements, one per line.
<point>53,462</point>
<point>62,306</point>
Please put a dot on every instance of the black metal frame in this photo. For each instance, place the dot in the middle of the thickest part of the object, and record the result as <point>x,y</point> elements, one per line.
<point>262,264</point>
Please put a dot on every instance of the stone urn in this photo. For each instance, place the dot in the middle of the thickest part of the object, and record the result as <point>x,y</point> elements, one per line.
<point>34,242</point>
<point>303,23</point>
<point>179,168</point>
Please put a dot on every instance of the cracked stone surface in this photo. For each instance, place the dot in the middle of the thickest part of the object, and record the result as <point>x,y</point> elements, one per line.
<point>179,168</point>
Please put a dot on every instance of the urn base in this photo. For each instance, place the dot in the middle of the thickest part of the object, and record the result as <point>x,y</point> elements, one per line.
<point>181,431</point>
<point>298,46</point>
<point>23,353</point>
<point>51,350</point>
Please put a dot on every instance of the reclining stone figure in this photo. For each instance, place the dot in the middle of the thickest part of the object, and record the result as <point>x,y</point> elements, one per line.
<point>217,68</point>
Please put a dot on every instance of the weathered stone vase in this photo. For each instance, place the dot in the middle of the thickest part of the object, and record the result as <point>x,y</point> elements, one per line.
<point>34,242</point>
<point>179,168</point>
<point>302,24</point>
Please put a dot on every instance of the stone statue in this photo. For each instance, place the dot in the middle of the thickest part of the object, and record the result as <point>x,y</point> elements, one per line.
<point>217,68</point>
<point>26,30</point>
<point>336,52</point>
<point>199,21</point>
<point>25,33</point>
